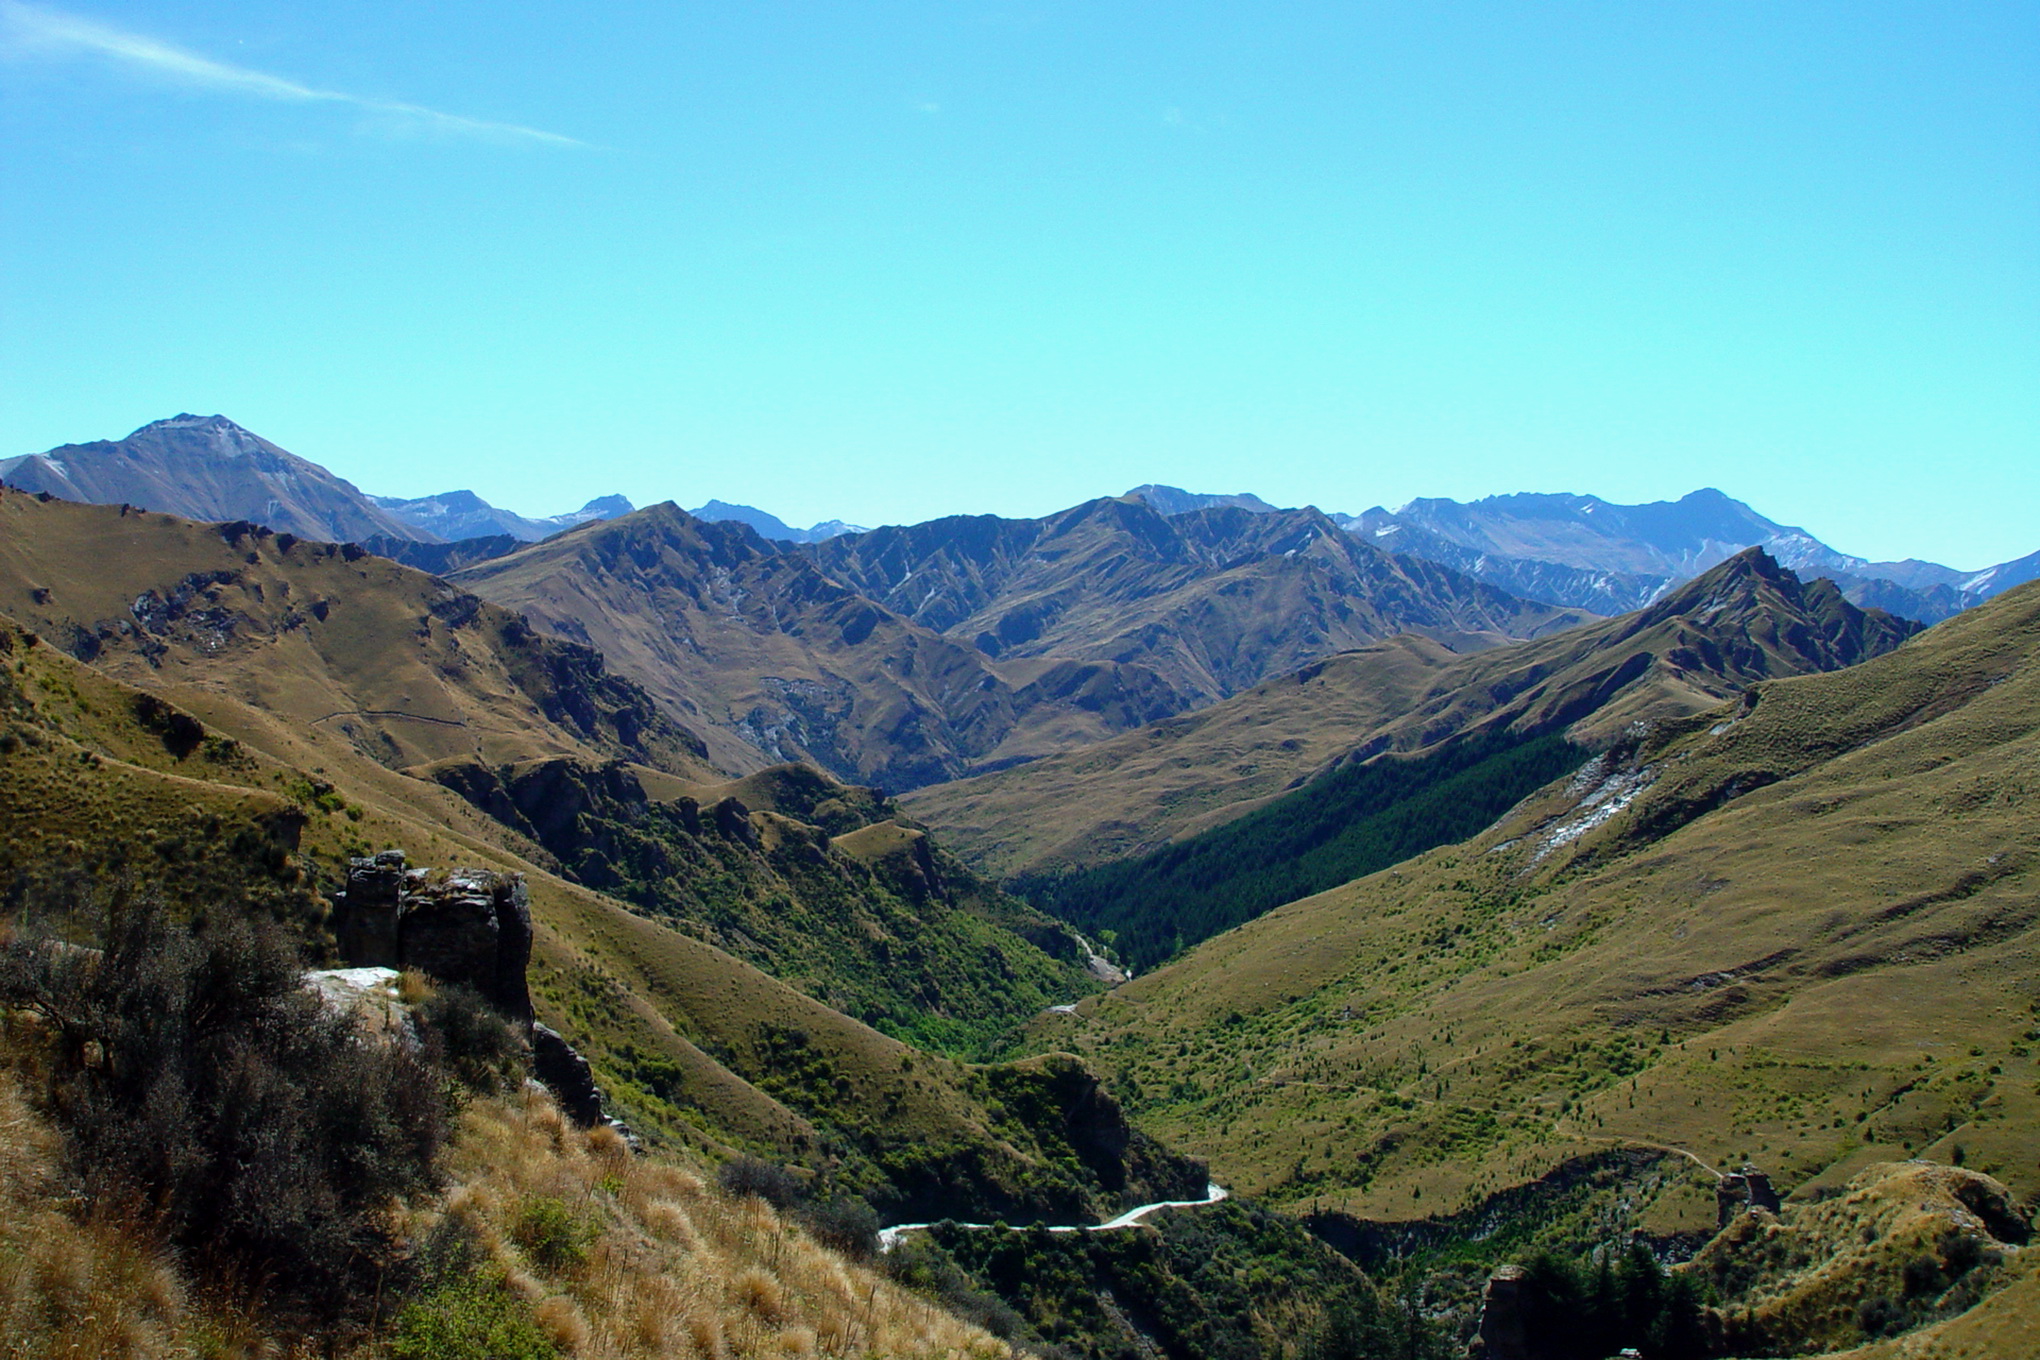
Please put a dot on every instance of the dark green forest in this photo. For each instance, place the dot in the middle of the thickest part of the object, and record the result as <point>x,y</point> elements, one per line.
<point>1351,822</point>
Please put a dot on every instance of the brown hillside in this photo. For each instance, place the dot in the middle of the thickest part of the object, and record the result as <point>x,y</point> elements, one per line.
<point>1745,621</point>
<point>334,648</point>
<point>772,660</point>
<point>692,1045</point>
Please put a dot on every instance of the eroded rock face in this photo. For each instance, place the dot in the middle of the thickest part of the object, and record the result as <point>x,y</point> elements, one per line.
<point>1740,1190</point>
<point>473,927</point>
<point>1500,1335</point>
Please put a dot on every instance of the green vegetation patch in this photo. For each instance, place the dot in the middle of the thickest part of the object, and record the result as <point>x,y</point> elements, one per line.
<point>1352,822</point>
<point>1217,1283</point>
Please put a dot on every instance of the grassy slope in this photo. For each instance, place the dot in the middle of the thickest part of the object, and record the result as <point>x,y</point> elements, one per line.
<point>335,662</point>
<point>1818,971</point>
<point>1351,822</point>
<point>871,919</point>
<point>1743,622</point>
<point>695,1046</point>
<point>688,1037</point>
<point>1901,1246</point>
<point>336,650</point>
<point>659,1264</point>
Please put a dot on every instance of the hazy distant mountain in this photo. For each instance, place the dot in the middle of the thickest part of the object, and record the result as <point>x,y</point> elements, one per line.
<point>770,525</point>
<point>1174,500</point>
<point>1593,554</point>
<point>455,515</point>
<point>209,468</point>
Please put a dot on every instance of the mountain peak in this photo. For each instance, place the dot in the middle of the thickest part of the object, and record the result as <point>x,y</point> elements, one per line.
<point>1174,500</point>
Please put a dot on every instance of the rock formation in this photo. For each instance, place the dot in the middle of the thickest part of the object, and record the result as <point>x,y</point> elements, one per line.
<point>1500,1335</point>
<point>1740,1190</point>
<point>471,928</point>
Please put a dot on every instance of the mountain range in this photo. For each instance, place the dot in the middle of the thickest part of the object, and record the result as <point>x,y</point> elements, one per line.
<point>1469,924</point>
<point>1597,555</point>
<point>209,468</point>
<point>1744,621</point>
<point>456,515</point>
<point>771,526</point>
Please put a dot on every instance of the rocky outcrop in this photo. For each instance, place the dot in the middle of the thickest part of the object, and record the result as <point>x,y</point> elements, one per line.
<point>473,927</point>
<point>1500,1334</point>
<point>565,1073</point>
<point>1748,1189</point>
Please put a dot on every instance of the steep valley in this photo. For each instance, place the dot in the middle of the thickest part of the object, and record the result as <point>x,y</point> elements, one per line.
<point>1744,621</point>
<point>1775,908</point>
<point>1797,929</point>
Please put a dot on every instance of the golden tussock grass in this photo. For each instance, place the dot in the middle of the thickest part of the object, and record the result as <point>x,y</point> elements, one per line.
<point>96,1288</point>
<point>667,1266</point>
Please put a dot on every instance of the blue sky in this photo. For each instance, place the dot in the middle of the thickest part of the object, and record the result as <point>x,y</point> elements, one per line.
<point>885,261</point>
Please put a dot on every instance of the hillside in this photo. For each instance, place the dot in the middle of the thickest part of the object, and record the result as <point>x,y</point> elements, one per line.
<point>419,688</point>
<point>1213,600</point>
<point>773,660</point>
<point>705,1056</point>
<point>1797,929</point>
<point>326,647</point>
<point>693,1046</point>
<point>1745,621</point>
<point>209,468</point>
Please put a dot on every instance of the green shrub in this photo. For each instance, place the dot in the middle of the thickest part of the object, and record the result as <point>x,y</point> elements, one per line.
<point>778,1187</point>
<point>464,1034</point>
<point>846,1225</point>
<point>553,1236</point>
<point>473,1318</point>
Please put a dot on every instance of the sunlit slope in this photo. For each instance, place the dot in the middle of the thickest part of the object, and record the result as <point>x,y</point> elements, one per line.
<point>691,1044</point>
<point>1798,929</point>
<point>339,649</point>
<point>1746,620</point>
<point>1212,601</point>
<point>772,660</point>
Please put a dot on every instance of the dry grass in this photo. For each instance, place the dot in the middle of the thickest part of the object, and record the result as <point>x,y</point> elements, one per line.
<point>671,1268</point>
<point>1807,1275</point>
<point>96,1288</point>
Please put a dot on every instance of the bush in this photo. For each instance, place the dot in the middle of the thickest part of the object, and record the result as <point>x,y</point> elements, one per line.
<point>846,1225</point>
<point>465,1035</point>
<point>201,1082</point>
<point>553,1236</point>
<point>1880,1316</point>
<point>774,1184</point>
<point>1923,1275</point>
<point>473,1318</point>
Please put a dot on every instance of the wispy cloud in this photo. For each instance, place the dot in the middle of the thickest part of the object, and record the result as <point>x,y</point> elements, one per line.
<point>33,30</point>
